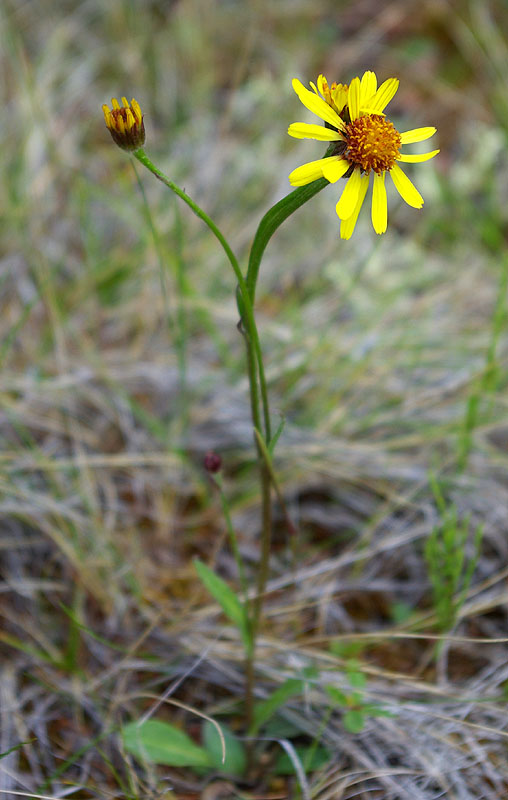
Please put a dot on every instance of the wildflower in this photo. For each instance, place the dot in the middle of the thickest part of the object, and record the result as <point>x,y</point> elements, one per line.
<point>125,124</point>
<point>362,141</point>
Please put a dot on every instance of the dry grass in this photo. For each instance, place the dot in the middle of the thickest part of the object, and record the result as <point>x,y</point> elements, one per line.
<point>374,349</point>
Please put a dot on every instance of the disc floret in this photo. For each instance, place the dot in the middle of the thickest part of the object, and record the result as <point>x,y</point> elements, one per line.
<point>372,143</point>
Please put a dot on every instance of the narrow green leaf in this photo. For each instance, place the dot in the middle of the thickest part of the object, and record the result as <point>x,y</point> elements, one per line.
<point>276,436</point>
<point>162,743</point>
<point>236,759</point>
<point>16,747</point>
<point>225,596</point>
<point>267,708</point>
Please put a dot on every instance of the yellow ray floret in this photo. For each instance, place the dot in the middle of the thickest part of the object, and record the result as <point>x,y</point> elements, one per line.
<point>347,226</point>
<point>307,173</point>
<point>379,204</point>
<point>305,130</point>
<point>346,205</point>
<point>384,94</point>
<point>368,87</point>
<point>317,105</point>
<point>353,99</point>
<point>417,135</point>
<point>405,188</point>
<point>418,157</point>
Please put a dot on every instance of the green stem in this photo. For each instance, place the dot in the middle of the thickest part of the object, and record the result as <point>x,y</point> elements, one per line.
<point>246,303</point>
<point>266,535</point>
<point>257,607</point>
<point>266,540</point>
<point>280,497</point>
<point>267,227</point>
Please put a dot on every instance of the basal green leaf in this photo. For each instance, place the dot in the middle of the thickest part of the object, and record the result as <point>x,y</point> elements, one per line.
<point>236,759</point>
<point>162,743</point>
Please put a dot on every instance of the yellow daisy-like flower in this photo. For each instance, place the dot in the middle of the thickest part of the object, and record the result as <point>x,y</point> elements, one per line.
<point>366,141</point>
<point>125,124</point>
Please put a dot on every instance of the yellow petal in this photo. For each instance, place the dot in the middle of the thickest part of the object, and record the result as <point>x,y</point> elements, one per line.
<point>129,119</point>
<point>322,84</point>
<point>339,96</point>
<point>368,87</point>
<point>125,102</point>
<point>416,135</point>
<point>353,99</point>
<point>304,130</point>
<point>379,203</point>
<point>334,168</point>
<point>347,226</point>
<point>137,111</point>
<point>346,205</point>
<point>106,112</point>
<point>405,188</point>
<point>307,173</point>
<point>317,105</point>
<point>417,158</point>
<point>115,103</point>
<point>384,94</point>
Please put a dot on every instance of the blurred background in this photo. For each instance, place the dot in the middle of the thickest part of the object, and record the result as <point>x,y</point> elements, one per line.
<point>122,366</point>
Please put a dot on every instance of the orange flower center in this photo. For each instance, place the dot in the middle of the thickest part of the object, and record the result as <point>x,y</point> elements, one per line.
<point>372,143</point>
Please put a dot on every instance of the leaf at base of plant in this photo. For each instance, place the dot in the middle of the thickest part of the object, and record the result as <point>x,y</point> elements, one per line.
<point>162,743</point>
<point>236,759</point>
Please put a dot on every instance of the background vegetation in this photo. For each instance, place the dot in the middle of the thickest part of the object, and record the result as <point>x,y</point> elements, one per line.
<point>122,366</point>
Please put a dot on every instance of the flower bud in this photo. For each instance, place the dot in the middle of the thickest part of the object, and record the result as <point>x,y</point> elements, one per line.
<point>125,124</point>
<point>212,462</point>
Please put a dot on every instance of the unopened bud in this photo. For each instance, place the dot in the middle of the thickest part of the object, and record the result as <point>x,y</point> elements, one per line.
<point>212,462</point>
<point>125,124</point>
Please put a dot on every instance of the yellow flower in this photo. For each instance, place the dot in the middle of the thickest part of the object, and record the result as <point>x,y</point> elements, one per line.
<point>365,141</point>
<point>125,124</point>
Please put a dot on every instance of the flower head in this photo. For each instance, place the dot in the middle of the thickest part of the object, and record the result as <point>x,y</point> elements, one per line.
<point>125,124</point>
<point>362,141</point>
